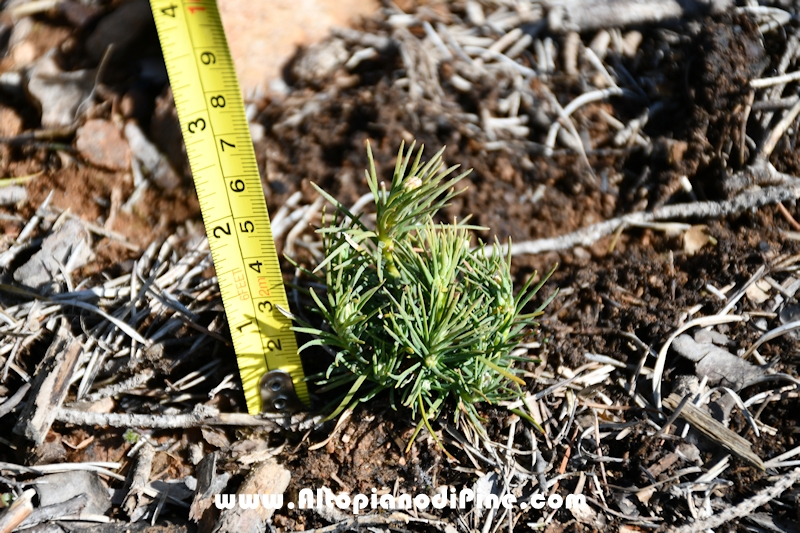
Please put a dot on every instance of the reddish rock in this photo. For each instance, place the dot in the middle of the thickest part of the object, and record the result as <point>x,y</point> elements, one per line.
<point>102,144</point>
<point>264,35</point>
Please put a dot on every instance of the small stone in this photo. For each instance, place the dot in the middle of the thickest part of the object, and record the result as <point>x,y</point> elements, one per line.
<point>689,452</point>
<point>50,451</point>
<point>153,162</point>
<point>321,60</point>
<point>102,144</point>
<point>706,336</point>
<point>790,313</point>
<point>58,488</point>
<point>719,366</point>
<point>59,93</point>
<point>69,246</point>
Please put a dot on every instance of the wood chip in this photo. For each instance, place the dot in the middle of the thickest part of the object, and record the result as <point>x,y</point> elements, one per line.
<point>209,484</point>
<point>266,478</point>
<point>18,512</point>
<point>53,377</point>
<point>136,500</point>
<point>715,431</point>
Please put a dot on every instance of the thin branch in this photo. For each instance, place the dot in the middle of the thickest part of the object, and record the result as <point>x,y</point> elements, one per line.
<point>775,80</point>
<point>200,417</point>
<point>777,132</point>
<point>744,508</point>
<point>749,199</point>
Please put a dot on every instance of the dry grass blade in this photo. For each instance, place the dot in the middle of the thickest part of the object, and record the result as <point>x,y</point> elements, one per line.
<point>772,334</point>
<point>661,359</point>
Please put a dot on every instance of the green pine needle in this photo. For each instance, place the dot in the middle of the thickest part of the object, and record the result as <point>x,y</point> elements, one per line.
<point>410,308</point>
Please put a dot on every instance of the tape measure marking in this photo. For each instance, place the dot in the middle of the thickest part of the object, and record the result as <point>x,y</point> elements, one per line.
<point>228,185</point>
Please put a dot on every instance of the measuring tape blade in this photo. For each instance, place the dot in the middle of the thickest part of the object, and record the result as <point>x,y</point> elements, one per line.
<point>217,136</point>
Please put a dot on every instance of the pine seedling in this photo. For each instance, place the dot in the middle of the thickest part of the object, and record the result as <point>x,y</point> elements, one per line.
<point>410,308</point>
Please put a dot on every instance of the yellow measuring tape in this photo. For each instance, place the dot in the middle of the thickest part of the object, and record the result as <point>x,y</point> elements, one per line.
<point>217,137</point>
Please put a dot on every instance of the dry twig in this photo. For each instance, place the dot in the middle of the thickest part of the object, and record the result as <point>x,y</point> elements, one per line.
<point>749,199</point>
<point>744,508</point>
